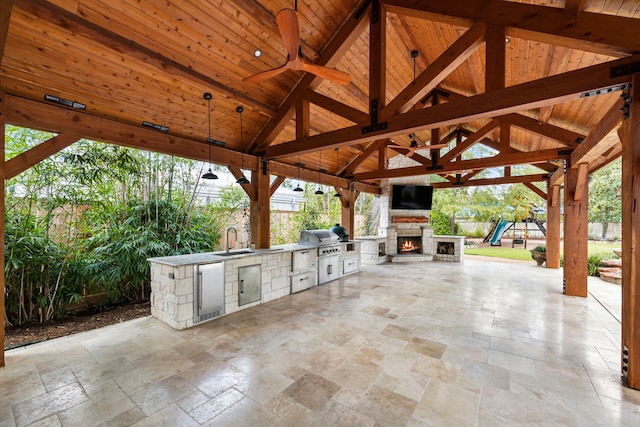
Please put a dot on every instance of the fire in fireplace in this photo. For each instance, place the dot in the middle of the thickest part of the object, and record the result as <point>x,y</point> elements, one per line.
<point>409,245</point>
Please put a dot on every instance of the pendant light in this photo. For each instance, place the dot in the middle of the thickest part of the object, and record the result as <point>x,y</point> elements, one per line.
<point>298,189</point>
<point>337,194</point>
<point>209,174</point>
<point>319,191</point>
<point>242,179</point>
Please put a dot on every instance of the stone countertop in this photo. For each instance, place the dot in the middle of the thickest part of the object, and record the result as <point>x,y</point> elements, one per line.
<point>209,257</point>
<point>371,238</point>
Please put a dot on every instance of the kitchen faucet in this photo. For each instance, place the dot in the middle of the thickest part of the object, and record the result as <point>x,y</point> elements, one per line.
<point>236,233</point>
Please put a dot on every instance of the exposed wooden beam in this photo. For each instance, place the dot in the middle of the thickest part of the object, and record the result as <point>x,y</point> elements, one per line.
<point>291,171</point>
<point>276,184</point>
<point>524,179</point>
<point>78,25</point>
<point>40,152</point>
<point>555,133</point>
<point>535,189</point>
<point>495,57</point>
<point>341,42</point>
<point>576,221</point>
<point>439,69</point>
<point>574,7</point>
<point>259,208</point>
<point>248,188</point>
<point>509,159</point>
<point>41,116</point>
<point>608,34</point>
<point>336,107</point>
<point>582,181</point>
<point>5,16</point>
<point>601,139</point>
<point>368,152</point>
<point>377,59</point>
<point>538,93</point>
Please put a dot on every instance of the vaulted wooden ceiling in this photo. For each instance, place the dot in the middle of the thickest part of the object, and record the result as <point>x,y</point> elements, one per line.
<point>513,75</point>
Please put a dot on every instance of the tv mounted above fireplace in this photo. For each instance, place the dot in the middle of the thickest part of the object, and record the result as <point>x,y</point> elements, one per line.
<point>412,197</point>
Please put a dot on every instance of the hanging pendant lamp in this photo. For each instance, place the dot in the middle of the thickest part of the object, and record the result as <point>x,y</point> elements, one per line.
<point>242,179</point>
<point>319,191</point>
<point>298,189</point>
<point>337,194</point>
<point>209,174</point>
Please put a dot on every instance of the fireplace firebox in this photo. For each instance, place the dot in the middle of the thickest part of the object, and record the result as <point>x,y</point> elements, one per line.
<point>446,248</point>
<point>410,245</point>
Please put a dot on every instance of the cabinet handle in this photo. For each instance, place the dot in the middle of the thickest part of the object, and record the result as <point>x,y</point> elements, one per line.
<point>199,290</point>
<point>242,286</point>
<point>329,269</point>
<point>304,278</point>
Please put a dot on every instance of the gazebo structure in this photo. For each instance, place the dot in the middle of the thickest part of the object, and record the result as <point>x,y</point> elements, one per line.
<point>554,84</point>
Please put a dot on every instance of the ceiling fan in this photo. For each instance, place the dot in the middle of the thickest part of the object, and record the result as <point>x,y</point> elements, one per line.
<point>287,20</point>
<point>414,146</point>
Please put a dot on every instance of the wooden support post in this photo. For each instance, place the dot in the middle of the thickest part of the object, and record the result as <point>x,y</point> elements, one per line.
<point>553,227</point>
<point>348,200</point>
<point>259,208</point>
<point>630,137</point>
<point>576,223</point>
<point>2,178</point>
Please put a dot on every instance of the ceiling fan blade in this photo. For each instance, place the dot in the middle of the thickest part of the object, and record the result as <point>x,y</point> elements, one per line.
<point>265,75</point>
<point>287,20</point>
<point>434,146</point>
<point>335,76</point>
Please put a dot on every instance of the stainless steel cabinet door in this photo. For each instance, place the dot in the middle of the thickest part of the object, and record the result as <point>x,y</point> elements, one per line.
<point>249,284</point>
<point>210,289</point>
<point>328,269</point>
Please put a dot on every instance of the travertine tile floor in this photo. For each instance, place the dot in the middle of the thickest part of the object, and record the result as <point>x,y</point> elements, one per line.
<point>443,344</point>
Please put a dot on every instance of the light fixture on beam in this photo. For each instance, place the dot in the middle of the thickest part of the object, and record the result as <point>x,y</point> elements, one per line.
<point>209,174</point>
<point>605,90</point>
<point>298,189</point>
<point>242,180</point>
<point>155,126</point>
<point>65,102</point>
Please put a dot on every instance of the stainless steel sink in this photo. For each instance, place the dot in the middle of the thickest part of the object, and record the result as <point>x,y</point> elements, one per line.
<point>235,253</point>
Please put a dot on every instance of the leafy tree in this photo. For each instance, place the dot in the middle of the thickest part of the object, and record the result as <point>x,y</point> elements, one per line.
<point>605,191</point>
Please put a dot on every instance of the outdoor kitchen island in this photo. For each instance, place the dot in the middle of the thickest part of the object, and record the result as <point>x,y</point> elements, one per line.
<point>189,289</point>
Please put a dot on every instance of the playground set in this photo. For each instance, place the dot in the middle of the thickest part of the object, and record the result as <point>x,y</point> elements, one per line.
<point>519,226</point>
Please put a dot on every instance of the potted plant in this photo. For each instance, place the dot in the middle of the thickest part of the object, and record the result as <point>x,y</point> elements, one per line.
<point>539,254</point>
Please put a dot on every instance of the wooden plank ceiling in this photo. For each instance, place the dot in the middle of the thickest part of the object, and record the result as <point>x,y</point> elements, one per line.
<point>507,74</point>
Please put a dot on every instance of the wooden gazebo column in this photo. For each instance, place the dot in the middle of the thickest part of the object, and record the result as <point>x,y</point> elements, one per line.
<point>259,206</point>
<point>630,136</point>
<point>347,217</point>
<point>576,234</point>
<point>2,178</point>
<point>553,226</point>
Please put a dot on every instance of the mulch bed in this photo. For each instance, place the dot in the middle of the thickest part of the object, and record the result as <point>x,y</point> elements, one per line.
<point>17,336</point>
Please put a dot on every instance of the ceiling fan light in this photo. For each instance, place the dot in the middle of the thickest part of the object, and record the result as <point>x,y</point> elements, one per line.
<point>209,175</point>
<point>414,144</point>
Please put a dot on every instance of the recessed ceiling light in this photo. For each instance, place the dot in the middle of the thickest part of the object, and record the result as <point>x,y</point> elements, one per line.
<point>257,53</point>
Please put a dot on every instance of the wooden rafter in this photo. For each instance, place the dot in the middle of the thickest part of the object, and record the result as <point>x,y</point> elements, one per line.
<point>368,152</point>
<point>336,107</point>
<point>535,189</point>
<point>538,93</point>
<point>499,160</point>
<point>574,7</point>
<point>276,184</point>
<point>523,179</point>
<point>601,139</point>
<point>495,53</point>
<point>340,43</point>
<point>377,59</point>
<point>612,35</point>
<point>40,152</point>
<point>5,16</point>
<point>546,130</point>
<point>437,71</point>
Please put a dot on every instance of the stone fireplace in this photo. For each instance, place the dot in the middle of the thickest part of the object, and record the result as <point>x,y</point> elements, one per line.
<point>409,237</point>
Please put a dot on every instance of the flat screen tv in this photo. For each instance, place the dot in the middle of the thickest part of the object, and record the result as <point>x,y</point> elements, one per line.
<point>412,197</point>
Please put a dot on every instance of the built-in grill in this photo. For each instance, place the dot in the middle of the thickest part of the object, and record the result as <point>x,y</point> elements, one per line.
<point>327,241</point>
<point>329,247</point>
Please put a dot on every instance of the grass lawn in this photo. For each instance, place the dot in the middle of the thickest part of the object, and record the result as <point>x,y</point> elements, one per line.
<point>524,254</point>
<point>498,252</point>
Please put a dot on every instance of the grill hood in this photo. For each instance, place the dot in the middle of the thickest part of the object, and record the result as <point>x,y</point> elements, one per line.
<point>319,237</point>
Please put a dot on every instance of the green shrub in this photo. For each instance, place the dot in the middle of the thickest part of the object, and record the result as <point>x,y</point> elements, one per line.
<point>594,261</point>
<point>540,248</point>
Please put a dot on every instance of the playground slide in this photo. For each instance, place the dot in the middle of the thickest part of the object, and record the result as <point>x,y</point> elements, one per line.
<point>497,234</point>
